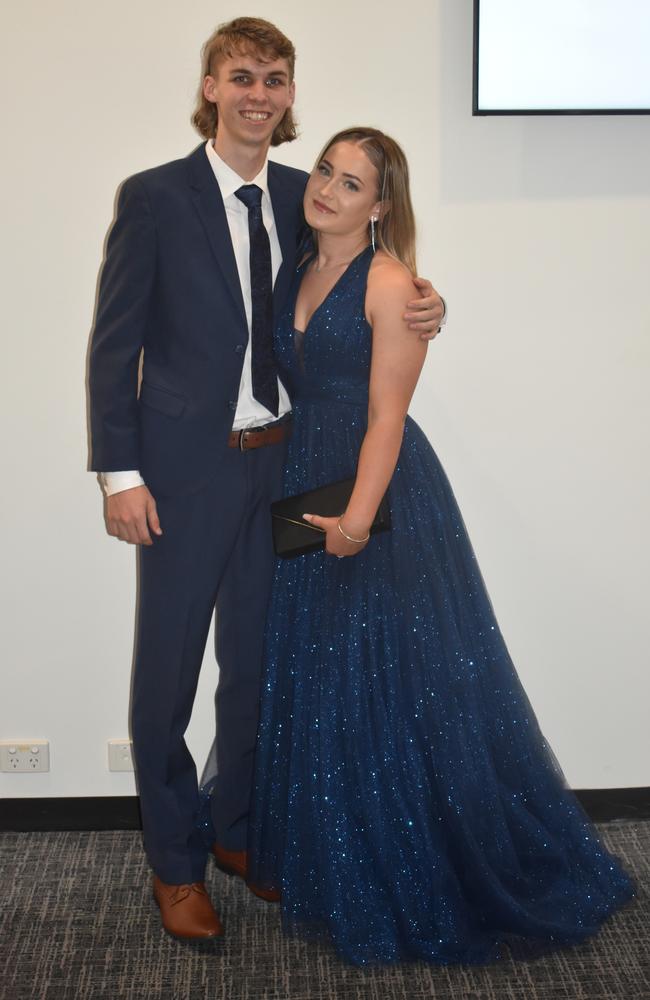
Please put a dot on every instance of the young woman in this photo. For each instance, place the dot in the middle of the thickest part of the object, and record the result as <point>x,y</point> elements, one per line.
<point>405,803</point>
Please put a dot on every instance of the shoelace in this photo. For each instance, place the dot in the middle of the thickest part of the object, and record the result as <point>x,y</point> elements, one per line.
<point>181,892</point>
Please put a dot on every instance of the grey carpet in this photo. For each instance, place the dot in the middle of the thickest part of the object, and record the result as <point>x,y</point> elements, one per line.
<point>78,923</point>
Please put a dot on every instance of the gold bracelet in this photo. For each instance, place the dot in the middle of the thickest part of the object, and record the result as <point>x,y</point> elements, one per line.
<point>357,541</point>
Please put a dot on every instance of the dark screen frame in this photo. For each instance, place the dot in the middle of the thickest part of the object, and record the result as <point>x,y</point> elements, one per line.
<point>482,112</point>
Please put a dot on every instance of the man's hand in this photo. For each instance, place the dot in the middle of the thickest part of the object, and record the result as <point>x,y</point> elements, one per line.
<point>130,515</point>
<point>426,313</point>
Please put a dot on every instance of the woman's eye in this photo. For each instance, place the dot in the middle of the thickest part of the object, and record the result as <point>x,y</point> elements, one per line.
<point>323,169</point>
<point>352,186</point>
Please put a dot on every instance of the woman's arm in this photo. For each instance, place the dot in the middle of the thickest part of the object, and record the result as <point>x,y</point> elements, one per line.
<point>397,359</point>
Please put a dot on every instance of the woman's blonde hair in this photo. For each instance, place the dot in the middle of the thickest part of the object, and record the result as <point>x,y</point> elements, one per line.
<point>395,229</point>
<point>244,36</point>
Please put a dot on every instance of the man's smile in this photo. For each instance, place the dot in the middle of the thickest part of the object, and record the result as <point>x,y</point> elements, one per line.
<point>255,116</point>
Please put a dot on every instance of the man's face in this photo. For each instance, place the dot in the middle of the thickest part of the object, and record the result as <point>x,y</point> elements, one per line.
<point>251,98</point>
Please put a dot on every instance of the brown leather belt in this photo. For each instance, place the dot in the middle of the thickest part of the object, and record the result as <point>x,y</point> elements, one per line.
<point>257,437</point>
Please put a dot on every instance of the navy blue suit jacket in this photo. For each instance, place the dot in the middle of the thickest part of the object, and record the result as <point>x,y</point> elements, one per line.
<point>169,284</point>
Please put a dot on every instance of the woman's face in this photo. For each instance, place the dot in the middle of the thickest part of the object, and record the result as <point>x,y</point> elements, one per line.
<point>342,191</point>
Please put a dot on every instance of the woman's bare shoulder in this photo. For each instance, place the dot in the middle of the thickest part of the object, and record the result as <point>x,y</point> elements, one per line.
<point>388,281</point>
<point>388,267</point>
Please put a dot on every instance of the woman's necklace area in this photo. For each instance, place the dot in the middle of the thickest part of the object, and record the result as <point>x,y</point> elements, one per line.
<point>339,263</point>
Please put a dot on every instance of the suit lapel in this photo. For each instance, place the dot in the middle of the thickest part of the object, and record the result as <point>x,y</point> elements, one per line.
<point>209,205</point>
<point>286,215</point>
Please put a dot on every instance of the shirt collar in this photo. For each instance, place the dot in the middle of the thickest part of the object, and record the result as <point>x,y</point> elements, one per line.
<point>228,180</point>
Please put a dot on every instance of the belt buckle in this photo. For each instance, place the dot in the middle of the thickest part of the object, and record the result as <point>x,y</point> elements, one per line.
<point>251,430</point>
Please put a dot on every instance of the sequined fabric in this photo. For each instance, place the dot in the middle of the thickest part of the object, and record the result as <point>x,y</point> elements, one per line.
<point>405,801</point>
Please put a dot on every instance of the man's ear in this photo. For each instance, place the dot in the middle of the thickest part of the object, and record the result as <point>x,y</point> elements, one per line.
<point>209,88</point>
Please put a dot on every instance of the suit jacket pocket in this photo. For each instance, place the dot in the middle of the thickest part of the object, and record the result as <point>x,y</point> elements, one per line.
<point>162,400</point>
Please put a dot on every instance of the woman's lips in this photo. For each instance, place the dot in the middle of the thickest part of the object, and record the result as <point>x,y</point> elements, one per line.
<point>318,205</point>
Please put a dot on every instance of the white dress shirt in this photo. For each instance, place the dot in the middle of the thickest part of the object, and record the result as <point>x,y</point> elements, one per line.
<point>250,412</point>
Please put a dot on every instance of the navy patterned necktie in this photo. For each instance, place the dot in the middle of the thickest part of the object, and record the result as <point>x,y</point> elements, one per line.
<point>264,369</point>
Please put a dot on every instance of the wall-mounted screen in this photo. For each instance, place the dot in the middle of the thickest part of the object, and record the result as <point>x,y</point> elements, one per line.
<point>550,57</point>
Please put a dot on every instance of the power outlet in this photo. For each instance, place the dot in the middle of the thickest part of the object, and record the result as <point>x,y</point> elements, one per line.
<point>120,756</point>
<point>21,756</point>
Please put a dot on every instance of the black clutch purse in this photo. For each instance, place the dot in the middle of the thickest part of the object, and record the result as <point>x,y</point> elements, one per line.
<point>293,537</point>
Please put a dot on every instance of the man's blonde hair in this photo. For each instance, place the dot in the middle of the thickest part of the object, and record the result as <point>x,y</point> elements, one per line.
<point>249,36</point>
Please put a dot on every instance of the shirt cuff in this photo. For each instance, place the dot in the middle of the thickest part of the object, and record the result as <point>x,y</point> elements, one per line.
<point>116,482</point>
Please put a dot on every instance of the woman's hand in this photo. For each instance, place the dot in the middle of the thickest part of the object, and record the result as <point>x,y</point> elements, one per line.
<point>336,544</point>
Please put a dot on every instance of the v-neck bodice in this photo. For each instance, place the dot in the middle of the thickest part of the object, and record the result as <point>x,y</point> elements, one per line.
<point>330,360</point>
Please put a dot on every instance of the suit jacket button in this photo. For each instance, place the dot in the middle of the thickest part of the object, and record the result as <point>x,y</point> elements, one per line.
<point>232,404</point>
<point>239,349</point>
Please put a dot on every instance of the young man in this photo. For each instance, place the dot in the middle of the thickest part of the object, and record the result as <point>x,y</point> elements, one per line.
<point>198,260</point>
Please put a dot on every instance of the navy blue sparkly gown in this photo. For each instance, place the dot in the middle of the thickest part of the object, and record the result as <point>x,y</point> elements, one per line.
<point>405,801</point>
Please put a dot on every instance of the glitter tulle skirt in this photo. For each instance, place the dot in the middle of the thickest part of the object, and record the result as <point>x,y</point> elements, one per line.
<point>405,801</point>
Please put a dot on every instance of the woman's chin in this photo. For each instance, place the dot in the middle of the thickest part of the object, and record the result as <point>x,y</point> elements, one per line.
<point>315,222</point>
<point>323,222</point>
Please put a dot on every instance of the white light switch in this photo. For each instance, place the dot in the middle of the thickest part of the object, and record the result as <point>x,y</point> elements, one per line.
<point>120,757</point>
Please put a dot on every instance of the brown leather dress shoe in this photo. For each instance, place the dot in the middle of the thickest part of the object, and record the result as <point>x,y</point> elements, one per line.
<point>235,863</point>
<point>186,910</point>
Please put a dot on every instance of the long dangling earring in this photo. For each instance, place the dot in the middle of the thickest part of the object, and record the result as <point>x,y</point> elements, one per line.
<point>373,219</point>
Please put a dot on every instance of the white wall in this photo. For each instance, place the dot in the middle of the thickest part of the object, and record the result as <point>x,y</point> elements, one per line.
<point>536,231</point>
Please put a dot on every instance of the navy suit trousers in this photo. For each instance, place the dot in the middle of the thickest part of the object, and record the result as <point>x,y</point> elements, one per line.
<point>216,552</point>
